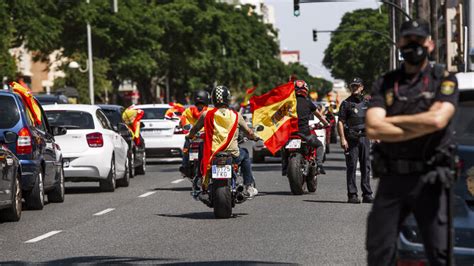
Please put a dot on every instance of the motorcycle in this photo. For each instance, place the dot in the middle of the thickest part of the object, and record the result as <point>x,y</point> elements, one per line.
<point>302,168</point>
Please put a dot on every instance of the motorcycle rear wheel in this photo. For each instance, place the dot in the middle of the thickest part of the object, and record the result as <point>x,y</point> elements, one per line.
<point>312,179</point>
<point>222,200</point>
<point>295,174</point>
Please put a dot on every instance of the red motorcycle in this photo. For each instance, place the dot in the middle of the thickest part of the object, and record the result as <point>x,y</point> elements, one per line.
<point>302,166</point>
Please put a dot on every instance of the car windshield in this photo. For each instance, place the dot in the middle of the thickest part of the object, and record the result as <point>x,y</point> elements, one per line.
<point>113,116</point>
<point>464,120</point>
<point>8,112</point>
<point>154,113</point>
<point>70,119</point>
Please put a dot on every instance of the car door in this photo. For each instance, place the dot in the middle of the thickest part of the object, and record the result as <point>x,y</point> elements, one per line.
<point>120,150</point>
<point>5,182</point>
<point>49,152</point>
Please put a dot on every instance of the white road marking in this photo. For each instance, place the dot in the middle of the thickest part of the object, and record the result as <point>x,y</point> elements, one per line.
<point>178,181</point>
<point>104,211</point>
<point>41,237</point>
<point>147,194</point>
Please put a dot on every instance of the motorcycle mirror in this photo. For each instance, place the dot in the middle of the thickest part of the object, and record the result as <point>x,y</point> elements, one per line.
<point>259,128</point>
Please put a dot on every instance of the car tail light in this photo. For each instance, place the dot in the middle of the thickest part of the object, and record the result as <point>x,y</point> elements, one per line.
<point>178,130</point>
<point>411,263</point>
<point>23,144</point>
<point>95,140</point>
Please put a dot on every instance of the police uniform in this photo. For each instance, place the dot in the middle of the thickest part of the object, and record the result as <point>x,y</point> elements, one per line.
<point>352,115</point>
<point>402,166</point>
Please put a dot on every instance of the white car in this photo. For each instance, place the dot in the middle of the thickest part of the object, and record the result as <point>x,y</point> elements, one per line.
<point>92,150</point>
<point>163,137</point>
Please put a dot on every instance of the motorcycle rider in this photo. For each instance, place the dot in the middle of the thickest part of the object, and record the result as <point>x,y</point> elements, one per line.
<point>189,117</point>
<point>221,126</point>
<point>305,109</point>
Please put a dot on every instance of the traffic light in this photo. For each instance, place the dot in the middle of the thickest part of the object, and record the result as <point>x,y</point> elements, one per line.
<point>315,35</point>
<point>296,8</point>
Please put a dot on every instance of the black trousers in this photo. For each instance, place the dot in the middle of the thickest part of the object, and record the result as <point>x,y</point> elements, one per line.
<point>397,197</point>
<point>359,150</point>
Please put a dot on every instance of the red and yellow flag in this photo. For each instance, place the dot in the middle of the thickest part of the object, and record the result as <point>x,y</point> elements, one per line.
<point>220,127</point>
<point>191,115</point>
<point>175,111</point>
<point>276,111</point>
<point>248,94</point>
<point>32,105</point>
<point>132,116</point>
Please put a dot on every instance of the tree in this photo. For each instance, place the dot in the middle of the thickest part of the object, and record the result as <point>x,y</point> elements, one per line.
<point>365,54</point>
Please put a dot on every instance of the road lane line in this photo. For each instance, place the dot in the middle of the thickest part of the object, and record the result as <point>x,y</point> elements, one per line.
<point>147,194</point>
<point>104,211</point>
<point>178,181</point>
<point>41,237</point>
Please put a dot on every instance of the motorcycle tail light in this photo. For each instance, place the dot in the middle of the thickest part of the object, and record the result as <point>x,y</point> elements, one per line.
<point>411,263</point>
<point>221,160</point>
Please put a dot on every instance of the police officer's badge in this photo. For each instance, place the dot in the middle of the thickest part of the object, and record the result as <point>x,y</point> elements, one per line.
<point>389,97</point>
<point>447,87</point>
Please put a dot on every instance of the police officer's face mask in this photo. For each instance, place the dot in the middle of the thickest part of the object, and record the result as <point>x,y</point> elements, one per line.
<point>414,53</point>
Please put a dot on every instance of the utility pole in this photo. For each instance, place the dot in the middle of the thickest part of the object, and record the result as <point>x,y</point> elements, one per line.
<point>434,28</point>
<point>89,59</point>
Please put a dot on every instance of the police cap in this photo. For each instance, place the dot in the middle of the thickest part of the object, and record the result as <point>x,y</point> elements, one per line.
<point>418,27</point>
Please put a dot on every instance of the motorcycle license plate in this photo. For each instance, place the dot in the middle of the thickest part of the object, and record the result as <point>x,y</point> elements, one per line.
<point>294,144</point>
<point>221,171</point>
<point>193,156</point>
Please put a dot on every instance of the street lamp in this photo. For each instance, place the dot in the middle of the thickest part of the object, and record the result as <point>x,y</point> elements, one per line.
<point>75,65</point>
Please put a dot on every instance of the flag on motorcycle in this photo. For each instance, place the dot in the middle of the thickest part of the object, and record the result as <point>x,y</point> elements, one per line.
<point>276,112</point>
<point>34,110</point>
<point>175,111</point>
<point>132,116</point>
<point>248,94</point>
<point>220,127</point>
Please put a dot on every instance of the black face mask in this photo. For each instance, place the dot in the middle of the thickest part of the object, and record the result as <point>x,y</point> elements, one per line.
<point>414,53</point>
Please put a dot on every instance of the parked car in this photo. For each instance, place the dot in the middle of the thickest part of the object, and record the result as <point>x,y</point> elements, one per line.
<point>10,189</point>
<point>40,157</point>
<point>163,137</point>
<point>92,150</point>
<point>410,248</point>
<point>136,153</point>
<point>45,99</point>
<point>260,151</point>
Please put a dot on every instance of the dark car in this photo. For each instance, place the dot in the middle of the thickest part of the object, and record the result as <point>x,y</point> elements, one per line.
<point>10,190</point>
<point>45,99</point>
<point>410,248</point>
<point>40,157</point>
<point>137,154</point>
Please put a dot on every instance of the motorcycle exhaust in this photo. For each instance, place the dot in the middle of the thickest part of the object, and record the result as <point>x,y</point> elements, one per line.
<point>239,194</point>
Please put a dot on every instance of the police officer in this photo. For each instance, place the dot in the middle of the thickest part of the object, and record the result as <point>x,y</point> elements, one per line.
<point>356,145</point>
<point>410,113</point>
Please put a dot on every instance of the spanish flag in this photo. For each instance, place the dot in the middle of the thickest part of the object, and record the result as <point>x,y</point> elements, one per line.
<point>175,111</point>
<point>220,127</point>
<point>132,116</point>
<point>32,105</point>
<point>276,111</point>
<point>248,94</point>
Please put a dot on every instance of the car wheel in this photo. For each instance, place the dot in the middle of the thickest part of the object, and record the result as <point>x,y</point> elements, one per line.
<point>13,213</point>
<point>109,184</point>
<point>35,198</point>
<point>141,170</point>
<point>57,194</point>
<point>131,165</point>
<point>125,180</point>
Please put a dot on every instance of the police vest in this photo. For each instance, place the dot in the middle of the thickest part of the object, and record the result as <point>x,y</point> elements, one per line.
<point>356,117</point>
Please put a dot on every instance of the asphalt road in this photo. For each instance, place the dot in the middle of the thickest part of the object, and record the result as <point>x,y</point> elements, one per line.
<point>155,221</point>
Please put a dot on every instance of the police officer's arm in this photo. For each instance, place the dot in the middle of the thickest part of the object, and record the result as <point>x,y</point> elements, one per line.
<point>340,123</point>
<point>199,124</point>
<point>428,122</point>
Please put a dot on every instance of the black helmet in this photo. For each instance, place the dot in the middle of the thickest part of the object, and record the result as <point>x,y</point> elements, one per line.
<point>201,96</point>
<point>220,95</point>
<point>301,88</point>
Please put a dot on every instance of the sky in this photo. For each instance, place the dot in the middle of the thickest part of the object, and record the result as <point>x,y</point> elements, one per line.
<point>296,33</point>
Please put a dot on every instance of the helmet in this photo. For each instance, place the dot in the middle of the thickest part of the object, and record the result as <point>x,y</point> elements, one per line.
<point>201,96</point>
<point>301,88</point>
<point>220,95</point>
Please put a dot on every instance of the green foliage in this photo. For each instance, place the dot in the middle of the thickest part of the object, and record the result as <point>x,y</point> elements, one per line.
<point>361,54</point>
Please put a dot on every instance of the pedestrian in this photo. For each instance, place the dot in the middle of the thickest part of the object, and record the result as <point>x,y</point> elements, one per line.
<point>410,113</point>
<point>354,142</point>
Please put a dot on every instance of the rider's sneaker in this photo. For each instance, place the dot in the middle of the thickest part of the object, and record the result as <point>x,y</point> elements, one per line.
<point>321,170</point>
<point>250,191</point>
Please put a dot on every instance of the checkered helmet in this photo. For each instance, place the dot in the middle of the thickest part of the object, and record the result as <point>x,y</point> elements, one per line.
<point>220,95</point>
